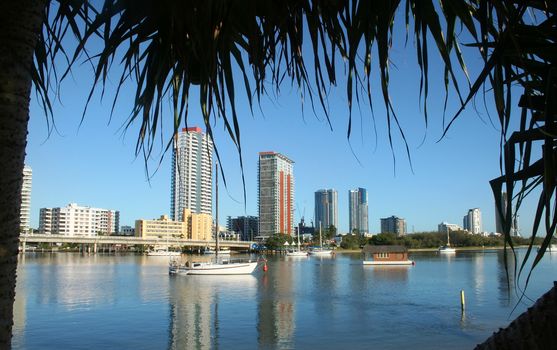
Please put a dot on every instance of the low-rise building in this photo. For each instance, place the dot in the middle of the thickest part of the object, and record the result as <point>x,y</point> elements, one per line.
<point>193,226</point>
<point>75,220</point>
<point>445,227</point>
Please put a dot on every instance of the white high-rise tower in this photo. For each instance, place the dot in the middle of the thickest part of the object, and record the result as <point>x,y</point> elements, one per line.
<point>192,174</point>
<point>25,199</point>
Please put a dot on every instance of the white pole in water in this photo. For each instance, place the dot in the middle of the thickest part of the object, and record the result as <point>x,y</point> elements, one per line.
<point>462,301</point>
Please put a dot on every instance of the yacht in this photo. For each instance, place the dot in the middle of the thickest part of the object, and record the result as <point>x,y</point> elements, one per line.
<point>220,265</point>
<point>320,251</point>
<point>297,252</point>
<point>447,249</point>
<point>163,252</point>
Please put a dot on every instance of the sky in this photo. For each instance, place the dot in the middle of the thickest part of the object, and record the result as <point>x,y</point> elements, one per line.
<point>92,161</point>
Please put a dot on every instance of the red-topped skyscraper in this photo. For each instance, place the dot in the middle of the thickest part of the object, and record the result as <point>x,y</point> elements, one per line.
<point>276,194</point>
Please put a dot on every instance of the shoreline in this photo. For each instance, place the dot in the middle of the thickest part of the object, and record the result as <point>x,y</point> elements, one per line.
<point>414,250</point>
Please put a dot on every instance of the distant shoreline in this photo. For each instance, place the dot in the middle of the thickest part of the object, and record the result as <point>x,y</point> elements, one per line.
<point>348,251</point>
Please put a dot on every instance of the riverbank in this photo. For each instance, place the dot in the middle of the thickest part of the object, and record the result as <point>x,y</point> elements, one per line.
<point>480,248</point>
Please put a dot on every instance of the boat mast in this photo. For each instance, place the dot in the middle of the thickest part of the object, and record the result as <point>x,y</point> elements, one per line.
<point>299,228</point>
<point>217,209</point>
<point>320,239</point>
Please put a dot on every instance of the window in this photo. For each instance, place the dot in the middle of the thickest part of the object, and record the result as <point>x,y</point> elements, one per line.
<point>383,255</point>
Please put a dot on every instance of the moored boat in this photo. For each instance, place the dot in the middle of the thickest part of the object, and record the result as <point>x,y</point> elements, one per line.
<point>162,252</point>
<point>221,267</point>
<point>447,249</point>
<point>320,251</point>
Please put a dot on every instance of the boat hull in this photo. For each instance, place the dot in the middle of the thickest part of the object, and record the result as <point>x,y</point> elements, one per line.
<point>215,269</point>
<point>388,263</point>
<point>297,253</point>
<point>321,253</point>
<point>164,253</point>
<point>447,250</point>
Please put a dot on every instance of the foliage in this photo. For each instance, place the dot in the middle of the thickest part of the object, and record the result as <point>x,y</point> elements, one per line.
<point>352,241</point>
<point>276,241</point>
<point>436,239</point>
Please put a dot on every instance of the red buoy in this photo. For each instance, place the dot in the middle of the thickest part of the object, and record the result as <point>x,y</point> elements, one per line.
<point>265,268</point>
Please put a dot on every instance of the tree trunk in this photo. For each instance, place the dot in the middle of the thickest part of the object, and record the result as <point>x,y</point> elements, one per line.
<point>20,21</point>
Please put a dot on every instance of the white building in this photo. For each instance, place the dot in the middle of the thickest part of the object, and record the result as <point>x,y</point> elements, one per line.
<point>192,174</point>
<point>473,221</point>
<point>75,220</point>
<point>276,194</point>
<point>24,213</point>
<point>445,227</point>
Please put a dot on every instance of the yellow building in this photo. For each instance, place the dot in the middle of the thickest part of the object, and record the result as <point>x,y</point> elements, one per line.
<point>195,227</point>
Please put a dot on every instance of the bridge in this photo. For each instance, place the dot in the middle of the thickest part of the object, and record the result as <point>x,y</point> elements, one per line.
<point>127,240</point>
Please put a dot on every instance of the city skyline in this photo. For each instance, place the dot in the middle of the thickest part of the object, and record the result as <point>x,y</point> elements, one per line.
<point>95,164</point>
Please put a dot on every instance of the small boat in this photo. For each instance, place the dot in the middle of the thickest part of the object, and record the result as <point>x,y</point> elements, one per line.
<point>447,249</point>
<point>297,252</point>
<point>211,251</point>
<point>320,251</point>
<point>220,267</point>
<point>552,248</point>
<point>386,255</point>
<point>161,252</point>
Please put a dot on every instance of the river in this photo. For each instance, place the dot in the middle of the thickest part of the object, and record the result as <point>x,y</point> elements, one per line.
<point>73,301</point>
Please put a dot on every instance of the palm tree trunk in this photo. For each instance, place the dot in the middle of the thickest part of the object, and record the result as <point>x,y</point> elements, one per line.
<point>20,21</point>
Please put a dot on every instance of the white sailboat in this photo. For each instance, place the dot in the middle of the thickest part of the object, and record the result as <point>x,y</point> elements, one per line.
<point>297,252</point>
<point>211,251</point>
<point>447,249</point>
<point>163,251</point>
<point>320,251</point>
<point>220,265</point>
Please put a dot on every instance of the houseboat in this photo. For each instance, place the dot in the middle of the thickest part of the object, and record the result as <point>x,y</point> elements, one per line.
<point>386,255</point>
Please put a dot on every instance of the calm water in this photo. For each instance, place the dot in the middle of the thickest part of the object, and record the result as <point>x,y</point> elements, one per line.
<point>70,301</point>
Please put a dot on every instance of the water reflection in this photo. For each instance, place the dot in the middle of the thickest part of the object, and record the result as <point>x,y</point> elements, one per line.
<point>114,302</point>
<point>505,277</point>
<point>195,302</point>
<point>276,307</point>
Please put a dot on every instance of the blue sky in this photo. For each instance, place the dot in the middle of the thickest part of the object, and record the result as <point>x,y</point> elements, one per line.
<point>94,164</point>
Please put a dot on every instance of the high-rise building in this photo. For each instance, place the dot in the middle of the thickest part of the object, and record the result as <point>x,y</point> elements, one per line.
<point>358,210</point>
<point>24,212</point>
<point>473,221</point>
<point>192,173</point>
<point>75,220</point>
<point>326,208</point>
<point>498,217</point>
<point>247,227</point>
<point>276,194</point>
<point>393,224</point>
